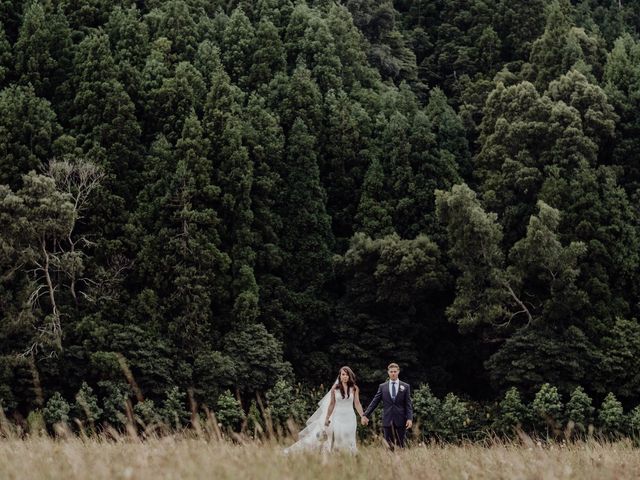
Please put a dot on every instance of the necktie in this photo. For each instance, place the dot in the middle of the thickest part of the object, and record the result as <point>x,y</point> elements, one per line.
<point>393,390</point>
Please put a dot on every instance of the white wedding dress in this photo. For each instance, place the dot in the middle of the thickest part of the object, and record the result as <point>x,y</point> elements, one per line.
<point>340,435</point>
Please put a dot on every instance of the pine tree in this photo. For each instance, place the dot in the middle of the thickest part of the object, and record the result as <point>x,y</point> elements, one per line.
<point>229,411</point>
<point>374,216</point>
<point>176,23</point>
<point>42,50</point>
<point>104,115</point>
<point>345,144</point>
<point>307,240</point>
<point>579,410</point>
<point>29,127</point>
<point>611,416</point>
<point>86,405</point>
<point>268,55</point>
<point>174,409</point>
<point>6,58</point>
<point>512,413</point>
<point>547,408</point>
<point>237,45</point>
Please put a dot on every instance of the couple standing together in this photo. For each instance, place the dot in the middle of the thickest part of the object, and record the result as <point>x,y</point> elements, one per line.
<point>333,424</point>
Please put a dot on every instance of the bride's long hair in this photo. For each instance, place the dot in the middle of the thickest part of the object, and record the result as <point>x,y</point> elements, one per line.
<point>351,383</point>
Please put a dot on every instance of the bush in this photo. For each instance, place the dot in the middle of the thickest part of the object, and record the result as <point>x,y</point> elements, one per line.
<point>114,402</point>
<point>229,411</point>
<point>86,406</point>
<point>255,422</point>
<point>454,418</point>
<point>512,413</point>
<point>174,411</point>
<point>547,409</point>
<point>579,411</point>
<point>611,416</point>
<point>35,423</point>
<point>426,408</point>
<point>145,413</point>
<point>57,410</point>
<point>283,404</point>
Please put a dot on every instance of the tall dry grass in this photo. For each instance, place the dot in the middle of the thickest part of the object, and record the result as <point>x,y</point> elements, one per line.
<point>195,457</point>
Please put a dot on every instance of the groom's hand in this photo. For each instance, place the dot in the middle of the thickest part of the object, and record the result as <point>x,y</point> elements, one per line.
<point>409,424</point>
<point>364,420</point>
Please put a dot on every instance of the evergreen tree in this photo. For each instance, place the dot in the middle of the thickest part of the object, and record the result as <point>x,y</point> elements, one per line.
<point>29,127</point>
<point>57,410</point>
<point>512,414</point>
<point>547,408</point>
<point>268,54</point>
<point>104,115</point>
<point>86,405</point>
<point>579,410</point>
<point>174,410</point>
<point>229,411</point>
<point>611,416</point>
<point>6,57</point>
<point>237,47</point>
<point>42,50</point>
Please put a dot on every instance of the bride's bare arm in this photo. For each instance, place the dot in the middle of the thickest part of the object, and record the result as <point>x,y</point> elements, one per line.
<point>356,402</point>
<point>332,404</point>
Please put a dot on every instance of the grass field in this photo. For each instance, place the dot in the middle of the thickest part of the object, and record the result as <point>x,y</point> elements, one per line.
<point>181,458</point>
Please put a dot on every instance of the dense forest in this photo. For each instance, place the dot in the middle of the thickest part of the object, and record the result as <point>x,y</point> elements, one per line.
<point>202,195</point>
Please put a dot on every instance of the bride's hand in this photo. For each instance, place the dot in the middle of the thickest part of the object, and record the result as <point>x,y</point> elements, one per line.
<point>327,422</point>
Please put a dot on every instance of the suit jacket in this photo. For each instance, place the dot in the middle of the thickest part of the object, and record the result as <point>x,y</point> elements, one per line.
<point>394,412</point>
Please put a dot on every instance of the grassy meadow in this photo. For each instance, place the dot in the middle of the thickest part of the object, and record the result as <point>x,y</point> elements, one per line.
<point>175,457</point>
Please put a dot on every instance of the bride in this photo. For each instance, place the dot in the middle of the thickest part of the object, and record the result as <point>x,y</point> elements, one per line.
<point>332,427</point>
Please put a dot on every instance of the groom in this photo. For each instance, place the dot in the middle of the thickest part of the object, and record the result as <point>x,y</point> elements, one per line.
<point>397,411</point>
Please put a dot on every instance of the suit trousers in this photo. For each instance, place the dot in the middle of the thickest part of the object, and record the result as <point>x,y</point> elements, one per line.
<point>395,435</point>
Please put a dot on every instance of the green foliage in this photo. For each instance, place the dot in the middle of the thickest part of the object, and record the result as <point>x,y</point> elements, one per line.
<point>218,195</point>
<point>579,411</point>
<point>42,49</point>
<point>29,127</point>
<point>86,405</point>
<point>255,420</point>
<point>257,358</point>
<point>36,423</point>
<point>454,418</point>
<point>547,409</point>
<point>174,409</point>
<point>284,404</point>
<point>611,416</point>
<point>56,410</point>
<point>634,422</point>
<point>146,414</point>
<point>446,419</point>
<point>229,411</point>
<point>114,403</point>
<point>512,413</point>
<point>474,238</point>
<point>426,409</point>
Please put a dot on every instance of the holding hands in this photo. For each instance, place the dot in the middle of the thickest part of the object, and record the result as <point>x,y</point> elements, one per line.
<point>364,420</point>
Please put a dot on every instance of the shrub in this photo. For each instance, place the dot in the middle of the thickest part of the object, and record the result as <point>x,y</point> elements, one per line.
<point>229,411</point>
<point>86,406</point>
<point>611,416</point>
<point>57,410</point>
<point>547,409</point>
<point>512,413</point>
<point>174,411</point>
<point>579,411</point>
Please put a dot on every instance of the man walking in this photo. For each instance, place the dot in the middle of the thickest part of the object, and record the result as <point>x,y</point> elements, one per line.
<point>397,411</point>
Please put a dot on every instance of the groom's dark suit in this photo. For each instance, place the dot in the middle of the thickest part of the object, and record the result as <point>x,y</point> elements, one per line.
<point>395,412</point>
